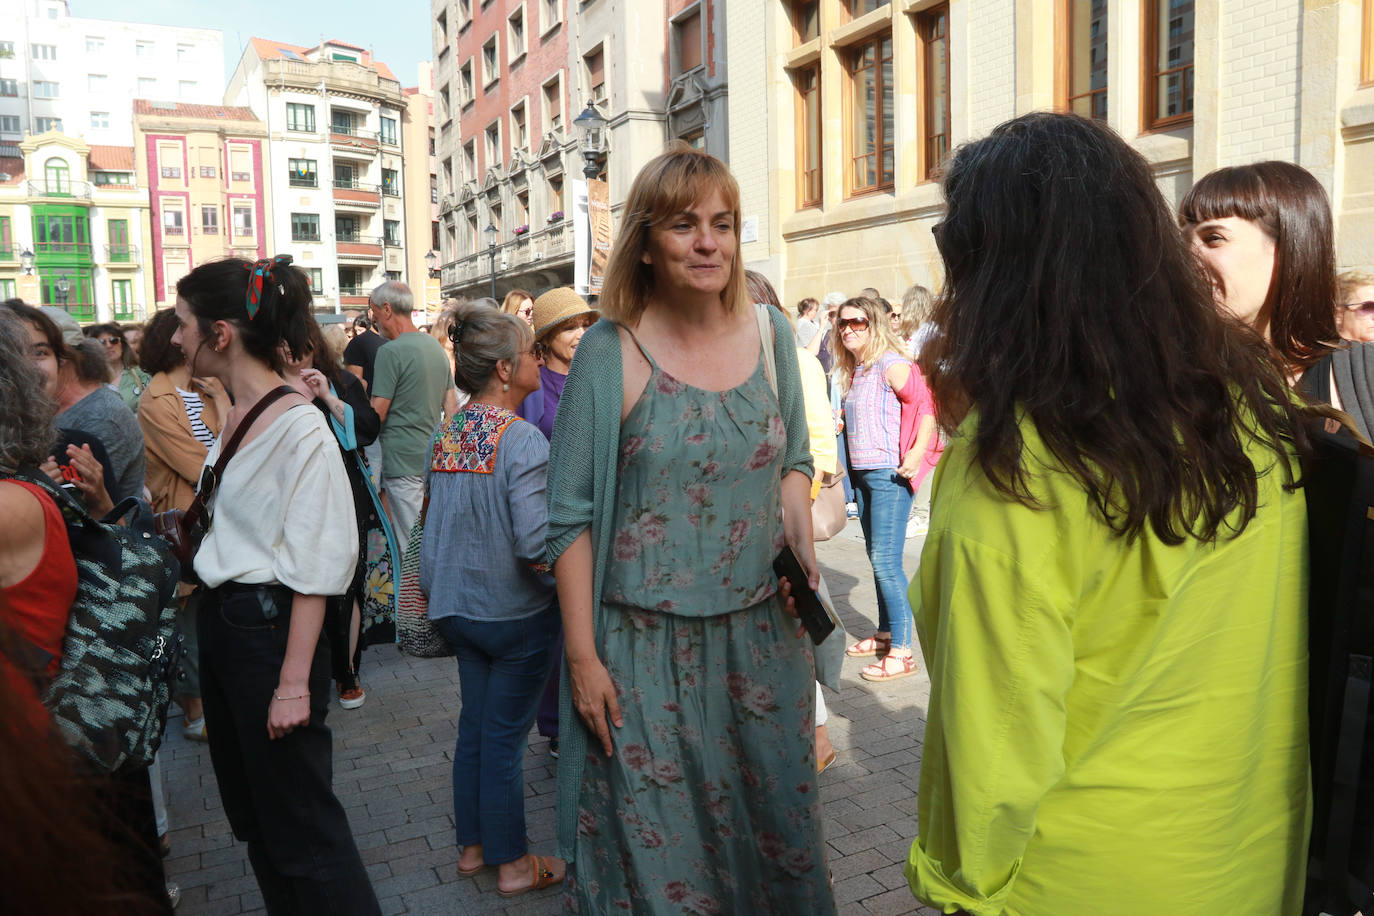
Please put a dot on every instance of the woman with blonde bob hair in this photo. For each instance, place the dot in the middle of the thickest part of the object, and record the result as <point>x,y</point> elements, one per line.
<point>889,427</point>
<point>687,773</point>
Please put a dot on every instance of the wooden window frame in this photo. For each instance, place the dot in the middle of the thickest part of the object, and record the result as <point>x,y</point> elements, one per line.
<point>847,55</point>
<point>801,133</point>
<point>848,7</point>
<point>1149,76</point>
<point>923,41</point>
<point>795,19</point>
<point>677,43</point>
<point>1062,62</point>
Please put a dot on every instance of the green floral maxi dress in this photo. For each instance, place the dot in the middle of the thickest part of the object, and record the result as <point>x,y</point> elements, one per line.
<point>709,804</point>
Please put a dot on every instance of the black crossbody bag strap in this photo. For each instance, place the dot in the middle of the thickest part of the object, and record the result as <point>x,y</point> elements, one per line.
<point>197,507</point>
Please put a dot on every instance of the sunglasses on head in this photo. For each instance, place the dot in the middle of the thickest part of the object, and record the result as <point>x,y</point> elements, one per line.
<point>858,324</point>
<point>1366,306</point>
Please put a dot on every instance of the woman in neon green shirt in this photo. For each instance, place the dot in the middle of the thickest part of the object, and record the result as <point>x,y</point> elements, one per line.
<point>1111,597</point>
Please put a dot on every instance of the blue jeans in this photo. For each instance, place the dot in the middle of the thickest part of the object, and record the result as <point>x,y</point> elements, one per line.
<point>842,463</point>
<point>502,665</point>
<point>884,499</point>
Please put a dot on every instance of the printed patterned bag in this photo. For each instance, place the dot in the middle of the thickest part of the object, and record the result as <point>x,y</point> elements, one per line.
<point>121,652</point>
<point>415,633</point>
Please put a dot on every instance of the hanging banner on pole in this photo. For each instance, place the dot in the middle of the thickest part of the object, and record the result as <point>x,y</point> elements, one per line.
<point>582,239</point>
<point>599,214</point>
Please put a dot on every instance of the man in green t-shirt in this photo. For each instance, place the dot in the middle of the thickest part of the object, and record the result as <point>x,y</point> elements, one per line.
<point>411,386</point>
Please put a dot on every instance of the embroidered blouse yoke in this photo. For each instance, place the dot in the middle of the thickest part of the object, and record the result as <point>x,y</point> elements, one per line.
<point>483,553</point>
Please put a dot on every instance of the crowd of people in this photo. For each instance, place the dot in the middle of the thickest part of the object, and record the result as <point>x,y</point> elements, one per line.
<point>1103,441</point>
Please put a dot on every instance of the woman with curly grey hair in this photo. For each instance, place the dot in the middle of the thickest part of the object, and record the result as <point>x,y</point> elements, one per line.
<point>485,499</point>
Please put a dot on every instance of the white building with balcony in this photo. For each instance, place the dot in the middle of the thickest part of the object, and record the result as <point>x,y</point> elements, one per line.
<point>334,168</point>
<point>80,76</point>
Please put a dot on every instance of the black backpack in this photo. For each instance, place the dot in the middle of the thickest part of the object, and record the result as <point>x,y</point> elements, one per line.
<point>1340,514</point>
<point>121,652</point>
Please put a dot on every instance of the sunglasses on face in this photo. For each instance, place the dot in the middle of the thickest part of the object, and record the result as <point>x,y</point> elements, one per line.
<point>1367,307</point>
<point>858,324</point>
<point>110,341</point>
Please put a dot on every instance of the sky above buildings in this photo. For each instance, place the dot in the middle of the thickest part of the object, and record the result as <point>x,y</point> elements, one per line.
<point>396,31</point>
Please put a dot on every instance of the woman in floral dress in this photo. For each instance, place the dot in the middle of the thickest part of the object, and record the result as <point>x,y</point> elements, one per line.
<point>687,778</point>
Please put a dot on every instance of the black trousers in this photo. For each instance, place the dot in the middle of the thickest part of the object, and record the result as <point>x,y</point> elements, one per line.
<point>125,802</point>
<point>278,794</point>
<point>338,619</point>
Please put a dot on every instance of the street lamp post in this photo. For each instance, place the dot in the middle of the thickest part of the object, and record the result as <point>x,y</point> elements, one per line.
<point>432,262</point>
<point>592,127</point>
<point>26,260</point>
<point>492,233</point>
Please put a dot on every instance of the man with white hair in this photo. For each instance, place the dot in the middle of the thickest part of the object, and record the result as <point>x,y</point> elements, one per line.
<point>410,382</point>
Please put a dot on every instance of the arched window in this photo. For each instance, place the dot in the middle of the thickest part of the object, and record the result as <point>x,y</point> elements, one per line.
<point>57,176</point>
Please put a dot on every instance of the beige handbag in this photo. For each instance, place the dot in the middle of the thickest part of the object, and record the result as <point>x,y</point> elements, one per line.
<point>827,512</point>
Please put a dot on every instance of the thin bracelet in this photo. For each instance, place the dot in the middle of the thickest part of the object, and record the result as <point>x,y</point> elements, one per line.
<point>284,699</point>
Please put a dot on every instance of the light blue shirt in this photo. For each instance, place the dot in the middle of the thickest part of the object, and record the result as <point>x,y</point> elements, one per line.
<point>483,554</point>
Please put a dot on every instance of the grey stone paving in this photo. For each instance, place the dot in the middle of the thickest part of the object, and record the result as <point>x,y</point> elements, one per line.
<point>393,773</point>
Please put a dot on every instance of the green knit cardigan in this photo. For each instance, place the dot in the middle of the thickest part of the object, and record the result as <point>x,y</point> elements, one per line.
<point>583,459</point>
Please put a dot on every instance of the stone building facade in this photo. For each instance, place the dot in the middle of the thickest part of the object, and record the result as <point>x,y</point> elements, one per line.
<point>334,162</point>
<point>514,74</point>
<point>862,99</point>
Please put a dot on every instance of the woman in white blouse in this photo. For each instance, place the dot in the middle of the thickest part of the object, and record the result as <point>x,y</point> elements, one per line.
<point>281,538</point>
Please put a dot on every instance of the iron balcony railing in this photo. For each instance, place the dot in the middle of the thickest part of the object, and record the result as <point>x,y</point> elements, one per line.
<point>78,190</point>
<point>351,184</point>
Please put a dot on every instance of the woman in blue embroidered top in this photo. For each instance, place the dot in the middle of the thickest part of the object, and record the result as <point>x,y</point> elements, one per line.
<point>495,607</point>
<point>672,461</point>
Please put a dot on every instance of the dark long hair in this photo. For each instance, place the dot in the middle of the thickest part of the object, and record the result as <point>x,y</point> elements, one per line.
<point>1291,205</point>
<point>217,291</point>
<point>1072,302</point>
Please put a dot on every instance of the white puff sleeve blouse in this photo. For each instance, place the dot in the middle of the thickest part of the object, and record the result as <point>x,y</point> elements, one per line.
<point>284,511</point>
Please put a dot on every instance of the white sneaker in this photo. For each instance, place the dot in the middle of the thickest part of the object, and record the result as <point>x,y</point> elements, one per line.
<point>851,510</point>
<point>917,525</point>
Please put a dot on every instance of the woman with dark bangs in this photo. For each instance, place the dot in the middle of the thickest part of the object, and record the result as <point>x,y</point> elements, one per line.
<point>280,538</point>
<point>1112,595</point>
<point>1264,234</point>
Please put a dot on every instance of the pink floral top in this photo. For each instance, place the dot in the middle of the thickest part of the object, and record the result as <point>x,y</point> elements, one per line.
<point>698,515</point>
<point>873,417</point>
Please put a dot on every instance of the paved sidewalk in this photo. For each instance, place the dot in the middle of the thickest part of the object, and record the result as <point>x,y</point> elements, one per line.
<point>392,770</point>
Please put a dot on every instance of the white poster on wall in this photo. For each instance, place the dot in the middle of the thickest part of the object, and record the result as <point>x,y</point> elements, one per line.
<point>582,238</point>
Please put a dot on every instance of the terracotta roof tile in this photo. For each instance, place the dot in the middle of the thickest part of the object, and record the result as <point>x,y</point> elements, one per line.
<point>112,158</point>
<point>14,168</point>
<point>273,50</point>
<point>182,110</point>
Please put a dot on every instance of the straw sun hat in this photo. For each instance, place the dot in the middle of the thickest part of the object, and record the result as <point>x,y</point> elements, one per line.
<point>555,306</point>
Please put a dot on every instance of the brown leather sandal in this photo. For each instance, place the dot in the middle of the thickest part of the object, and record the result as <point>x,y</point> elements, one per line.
<point>543,877</point>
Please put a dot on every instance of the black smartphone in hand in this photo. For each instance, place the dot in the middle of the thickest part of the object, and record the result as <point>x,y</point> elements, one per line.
<point>818,621</point>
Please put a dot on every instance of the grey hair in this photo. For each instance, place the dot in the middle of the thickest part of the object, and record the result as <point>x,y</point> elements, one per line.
<point>26,411</point>
<point>89,362</point>
<point>482,336</point>
<point>395,294</point>
<point>833,300</point>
